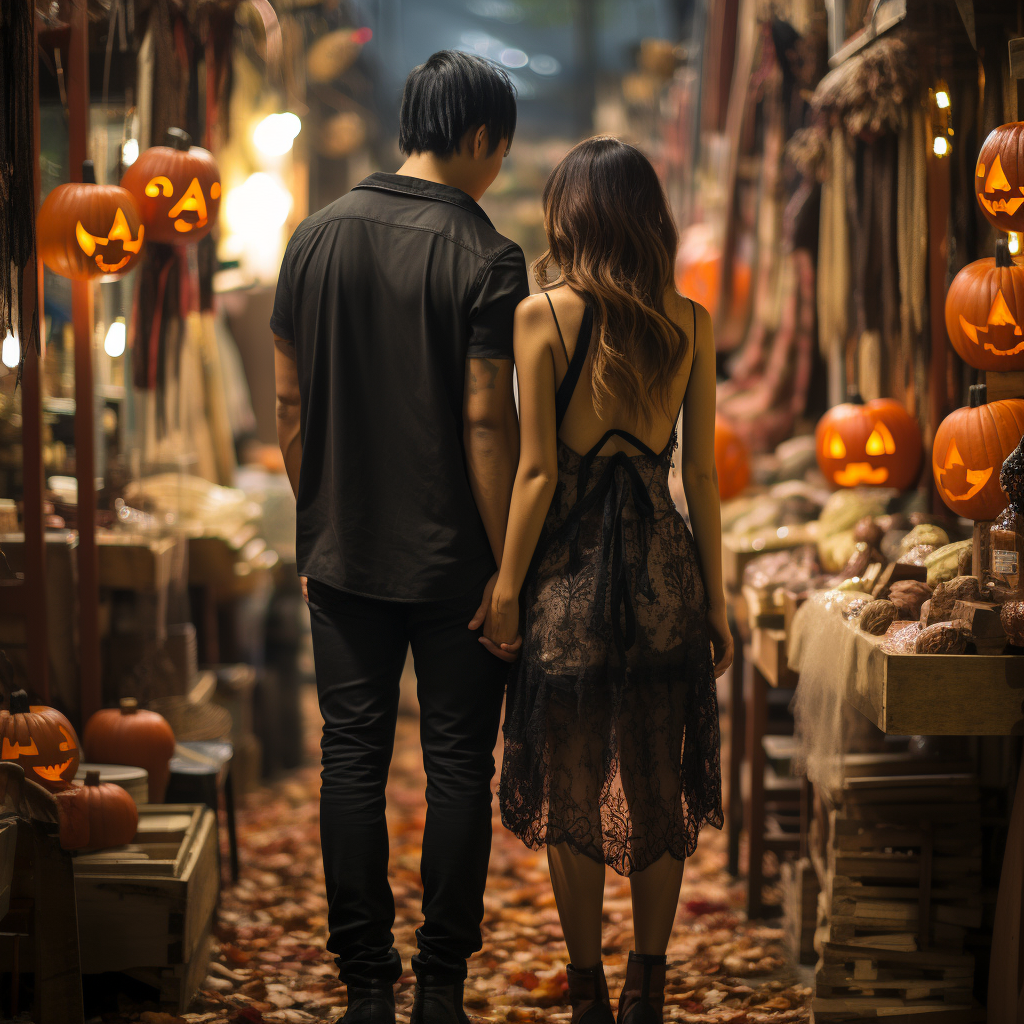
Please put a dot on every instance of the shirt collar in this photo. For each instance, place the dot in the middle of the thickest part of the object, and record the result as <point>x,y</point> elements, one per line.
<point>422,189</point>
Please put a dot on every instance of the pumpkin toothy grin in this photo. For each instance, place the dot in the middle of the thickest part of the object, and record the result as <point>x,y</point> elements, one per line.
<point>854,473</point>
<point>52,772</point>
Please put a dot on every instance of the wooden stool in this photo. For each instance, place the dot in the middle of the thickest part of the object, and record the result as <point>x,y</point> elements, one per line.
<point>200,772</point>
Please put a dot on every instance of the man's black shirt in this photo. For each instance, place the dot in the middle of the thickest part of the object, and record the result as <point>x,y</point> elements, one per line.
<point>386,293</point>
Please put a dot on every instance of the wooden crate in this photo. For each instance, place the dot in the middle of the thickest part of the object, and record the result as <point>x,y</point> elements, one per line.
<point>149,905</point>
<point>763,609</point>
<point>800,908</point>
<point>8,845</point>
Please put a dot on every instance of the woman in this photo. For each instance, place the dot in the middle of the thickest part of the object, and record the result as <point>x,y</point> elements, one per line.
<point>611,726</point>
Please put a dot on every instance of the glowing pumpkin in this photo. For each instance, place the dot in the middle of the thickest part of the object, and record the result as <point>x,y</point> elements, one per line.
<point>86,230</point>
<point>985,310</point>
<point>875,444</point>
<point>177,188</point>
<point>970,447</point>
<point>41,741</point>
<point>999,177</point>
<point>732,460</point>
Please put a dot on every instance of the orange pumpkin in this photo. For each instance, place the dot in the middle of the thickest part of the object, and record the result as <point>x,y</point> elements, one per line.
<point>999,177</point>
<point>96,815</point>
<point>970,447</point>
<point>130,735</point>
<point>40,740</point>
<point>85,230</point>
<point>732,460</point>
<point>177,188</point>
<point>877,443</point>
<point>985,310</point>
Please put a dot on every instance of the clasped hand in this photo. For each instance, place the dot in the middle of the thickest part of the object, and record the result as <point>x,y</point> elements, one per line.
<point>499,616</point>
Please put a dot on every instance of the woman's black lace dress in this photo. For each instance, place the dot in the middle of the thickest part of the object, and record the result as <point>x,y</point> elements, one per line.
<point>611,720</point>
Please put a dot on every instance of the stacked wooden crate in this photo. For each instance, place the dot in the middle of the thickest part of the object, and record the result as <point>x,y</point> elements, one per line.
<point>800,890</point>
<point>899,860</point>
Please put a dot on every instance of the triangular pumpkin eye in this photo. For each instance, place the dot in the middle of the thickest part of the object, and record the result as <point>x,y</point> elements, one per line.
<point>880,442</point>
<point>953,457</point>
<point>996,180</point>
<point>834,446</point>
<point>1000,315</point>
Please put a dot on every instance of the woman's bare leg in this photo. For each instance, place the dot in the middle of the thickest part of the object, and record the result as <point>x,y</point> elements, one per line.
<point>578,882</point>
<point>655,893</point>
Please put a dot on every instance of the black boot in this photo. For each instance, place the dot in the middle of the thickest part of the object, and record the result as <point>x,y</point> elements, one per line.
<point>372,1004</point>
<point>643,994</point>
<point>588,993</point>
<point>437,1001</point>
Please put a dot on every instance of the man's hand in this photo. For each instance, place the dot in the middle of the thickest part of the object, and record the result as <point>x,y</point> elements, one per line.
<point>305,592</point>
<point>507,651</point>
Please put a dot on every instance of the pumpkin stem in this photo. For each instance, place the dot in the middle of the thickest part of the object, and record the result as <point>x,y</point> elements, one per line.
<point>1003,253</point>
<point>178,138</point>
<point>979,395</point>
<point>129,705</point>
<point>19,703</point>
<point>853,395</point>
<point>88,173</point>
<point>92,777</point>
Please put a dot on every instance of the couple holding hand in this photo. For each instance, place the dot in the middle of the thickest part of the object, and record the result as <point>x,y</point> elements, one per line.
<point>400,315</point>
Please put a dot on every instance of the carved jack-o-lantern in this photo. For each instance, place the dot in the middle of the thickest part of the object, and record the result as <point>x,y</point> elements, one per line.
<point>985,311</point>
<point>876,444</point>
<point>87,230</point>
<point>732,460</point>
<point>177,187</point>
<point>40,740</point>
<point>999,177</point>
<point>970,447</point>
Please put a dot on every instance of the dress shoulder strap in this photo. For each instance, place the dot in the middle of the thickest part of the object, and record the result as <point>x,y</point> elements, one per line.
<point>558,327</point>
<point>579,357</point>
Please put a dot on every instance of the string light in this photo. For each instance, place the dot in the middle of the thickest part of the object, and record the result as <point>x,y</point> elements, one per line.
<point>114,343</point>
<point>1013,243</point>
<point>940,145</point>
<point>942,99</point>
<point>11,352</point>
<point>130,152</point>
<point>274,135</point>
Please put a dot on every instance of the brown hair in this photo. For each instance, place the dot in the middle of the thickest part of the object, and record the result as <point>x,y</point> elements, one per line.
<point>612,240</point>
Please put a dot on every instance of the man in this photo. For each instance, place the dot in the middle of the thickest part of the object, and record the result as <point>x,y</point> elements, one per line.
<point>396,417</point>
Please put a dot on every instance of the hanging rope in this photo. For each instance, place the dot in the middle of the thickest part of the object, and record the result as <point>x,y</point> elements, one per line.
<point>17,199</point>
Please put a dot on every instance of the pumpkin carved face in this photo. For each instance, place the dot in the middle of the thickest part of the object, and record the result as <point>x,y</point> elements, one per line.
<point>876,444</point>
<point>40,740</point>
<point>970,447</point>
<point>87,230</point>
<point>177,188</point>
<point>985,310</point>
<point>999,177</point>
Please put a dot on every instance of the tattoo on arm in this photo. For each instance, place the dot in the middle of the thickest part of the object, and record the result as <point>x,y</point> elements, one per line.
<point>488,379</point>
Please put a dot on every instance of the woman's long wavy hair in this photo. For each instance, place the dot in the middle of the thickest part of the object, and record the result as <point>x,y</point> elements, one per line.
<point>612,240</point>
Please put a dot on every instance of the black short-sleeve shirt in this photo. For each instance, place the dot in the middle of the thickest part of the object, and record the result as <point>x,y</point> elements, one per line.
<point>386,293</point>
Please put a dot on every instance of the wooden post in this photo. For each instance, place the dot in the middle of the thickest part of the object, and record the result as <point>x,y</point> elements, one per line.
<point>85,433</point>
<point>938,222</point>
<point>32,434</point>
<point>757,721</point>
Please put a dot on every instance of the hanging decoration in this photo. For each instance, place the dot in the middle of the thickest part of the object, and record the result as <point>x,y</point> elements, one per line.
<point>970,447</point>
<point>877,444</point>
<point>985,311</point>
<point>177,188</point>
<point>17,160</point>
<point>999,177</point>
<point>40,740</point>
<point>87,230</point>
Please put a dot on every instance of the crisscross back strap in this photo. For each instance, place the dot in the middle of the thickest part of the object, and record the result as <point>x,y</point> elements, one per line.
<point>579,356</point>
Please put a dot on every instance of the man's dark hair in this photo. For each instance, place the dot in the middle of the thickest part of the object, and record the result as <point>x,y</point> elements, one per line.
<point>450,94</point>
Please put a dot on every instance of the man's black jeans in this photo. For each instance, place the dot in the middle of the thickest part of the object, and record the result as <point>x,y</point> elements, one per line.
<point>359,646</point>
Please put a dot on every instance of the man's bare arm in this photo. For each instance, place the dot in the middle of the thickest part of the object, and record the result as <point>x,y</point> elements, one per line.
<point>491,438</point>
<point>286,380</point>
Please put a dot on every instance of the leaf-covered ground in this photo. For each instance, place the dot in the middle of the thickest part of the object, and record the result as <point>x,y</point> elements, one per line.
<point>270,965</point>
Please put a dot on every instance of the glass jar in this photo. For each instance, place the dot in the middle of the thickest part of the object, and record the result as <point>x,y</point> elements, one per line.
<point>1006,567</point>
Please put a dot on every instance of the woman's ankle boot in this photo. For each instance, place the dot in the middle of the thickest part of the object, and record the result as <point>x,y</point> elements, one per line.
<point>588,993</point>
<point>643,995</point>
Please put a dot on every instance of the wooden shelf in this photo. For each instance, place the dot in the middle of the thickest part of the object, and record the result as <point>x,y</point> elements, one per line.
<point>768,648</point>
<point>938,694</point>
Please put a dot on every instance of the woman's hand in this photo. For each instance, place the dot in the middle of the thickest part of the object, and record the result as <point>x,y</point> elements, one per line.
<point>501,626</point>
<point>721,639</point>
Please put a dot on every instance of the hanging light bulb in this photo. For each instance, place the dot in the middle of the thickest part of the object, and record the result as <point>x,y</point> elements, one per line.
<point>940,145</point>
<point>942,99</point>
<point>114,342</point>
<point>11,351</point>
<point>274,135</point>
<point>130,152</point>
<point>1013,243</point>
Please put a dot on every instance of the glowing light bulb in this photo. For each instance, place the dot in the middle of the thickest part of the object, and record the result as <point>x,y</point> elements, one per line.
<point>260,203</point>
<point>942,99</point>
<point>1013,243</point>
<point>130,152</point>
<point>940,146</point>
<point>11,352</point>
<point>274,135</point>
<point>114,343</point>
